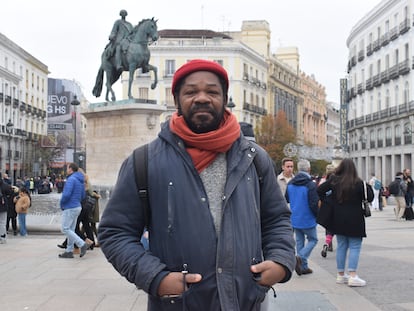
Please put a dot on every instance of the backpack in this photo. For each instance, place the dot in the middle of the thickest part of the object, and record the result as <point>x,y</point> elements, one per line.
<point>394,187</point>
<point>377,184</point>
<point>140,159</point>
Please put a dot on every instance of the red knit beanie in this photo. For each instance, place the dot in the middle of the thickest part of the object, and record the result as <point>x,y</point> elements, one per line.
<point>199,65</point>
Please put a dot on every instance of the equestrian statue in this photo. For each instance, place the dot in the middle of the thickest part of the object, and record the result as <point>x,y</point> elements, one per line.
<point>127,50</point>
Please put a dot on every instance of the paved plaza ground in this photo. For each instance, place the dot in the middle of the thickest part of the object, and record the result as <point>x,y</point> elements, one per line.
<point>34,278</point>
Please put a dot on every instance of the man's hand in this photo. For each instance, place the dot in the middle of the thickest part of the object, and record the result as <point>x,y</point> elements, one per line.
<point>271,272</point>
<point>173,283</point>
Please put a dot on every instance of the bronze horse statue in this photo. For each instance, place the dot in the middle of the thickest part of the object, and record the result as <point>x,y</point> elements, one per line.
<point>135,54</point>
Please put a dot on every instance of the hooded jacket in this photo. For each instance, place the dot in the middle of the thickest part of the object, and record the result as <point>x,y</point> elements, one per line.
<point>73,192</point>
<point>303,198</point>
<point>255,224</point>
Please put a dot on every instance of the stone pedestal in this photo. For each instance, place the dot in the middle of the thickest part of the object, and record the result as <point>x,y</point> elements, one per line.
<point>114,130</point>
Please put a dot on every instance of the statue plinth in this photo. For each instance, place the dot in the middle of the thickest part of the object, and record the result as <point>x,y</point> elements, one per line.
<point>114,130</point>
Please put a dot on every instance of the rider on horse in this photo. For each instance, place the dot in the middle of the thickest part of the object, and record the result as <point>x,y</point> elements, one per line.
<point>120,31</point>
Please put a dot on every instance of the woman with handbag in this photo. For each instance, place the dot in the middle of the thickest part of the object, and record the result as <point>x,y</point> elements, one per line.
<point>348,218</point>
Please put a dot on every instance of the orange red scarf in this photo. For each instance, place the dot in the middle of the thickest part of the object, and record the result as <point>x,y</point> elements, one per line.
<point>203,148</point>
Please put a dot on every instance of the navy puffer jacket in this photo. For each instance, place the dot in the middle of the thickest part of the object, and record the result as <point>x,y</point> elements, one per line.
<point>182,229</point>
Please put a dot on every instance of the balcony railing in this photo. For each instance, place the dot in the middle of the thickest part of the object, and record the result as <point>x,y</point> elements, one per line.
<point>404,26</point>
<point>368,84</point>
<point>377,80</point>
<point>361,55</point>
<point>385,39</point>
<point>385,76</point>
<point>361,88</point>
<point>369,49</point>
<point>376,45</point>
<point>394,33</point>
<point>404,67</point>
<point>255,109</point>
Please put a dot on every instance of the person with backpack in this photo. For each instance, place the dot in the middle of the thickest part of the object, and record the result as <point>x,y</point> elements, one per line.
<point>398,188</point>
<point>376,186</point>
<point>219,227</point>
<point>5,191</point>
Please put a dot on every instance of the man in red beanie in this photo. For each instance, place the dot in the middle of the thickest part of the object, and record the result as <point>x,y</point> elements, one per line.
<point>219,235</point>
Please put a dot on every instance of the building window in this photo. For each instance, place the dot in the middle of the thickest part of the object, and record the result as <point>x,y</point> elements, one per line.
<point>371,139</point>
<point>406,92</point>
<point>379,138</point>
<point>388,137</point>
<point>387,99</point>
<point>379,102</point>
<point>408,135</point>
<point>169,67</point>
<point>397,135</point>
<point>219,61</point>
<point>143,92</point>
<point>396,95</point>
<point>169,99</point>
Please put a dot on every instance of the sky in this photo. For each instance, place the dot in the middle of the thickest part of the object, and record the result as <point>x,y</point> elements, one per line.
<point>69,36</point>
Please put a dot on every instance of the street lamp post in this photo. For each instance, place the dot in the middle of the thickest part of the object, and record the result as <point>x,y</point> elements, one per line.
<point>365,145</point>
<point>9,130</point>
<point>231,104</point>
<point>74,103</point>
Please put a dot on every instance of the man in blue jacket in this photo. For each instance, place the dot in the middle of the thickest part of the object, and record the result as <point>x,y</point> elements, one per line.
<point>218,238</point>
<point>70,203</point>
<point>303,197</point>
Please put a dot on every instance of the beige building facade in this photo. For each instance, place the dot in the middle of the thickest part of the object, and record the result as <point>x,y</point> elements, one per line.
<point>247,70</point>
<point>314,115</point>
<point>261,82</point>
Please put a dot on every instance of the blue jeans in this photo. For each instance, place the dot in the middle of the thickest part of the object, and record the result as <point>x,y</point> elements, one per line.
<point>22,223</point>
<point>302,250</point>
<point>69,217</point>
<point>354,246</point>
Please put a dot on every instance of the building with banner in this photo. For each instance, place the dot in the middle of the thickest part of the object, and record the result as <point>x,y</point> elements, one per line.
<point>64,122</point>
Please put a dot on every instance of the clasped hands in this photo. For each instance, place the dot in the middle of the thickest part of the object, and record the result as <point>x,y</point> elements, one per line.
<point>173,283</point>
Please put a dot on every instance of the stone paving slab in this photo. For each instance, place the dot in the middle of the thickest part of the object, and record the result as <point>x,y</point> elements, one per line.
<point>34,278</point>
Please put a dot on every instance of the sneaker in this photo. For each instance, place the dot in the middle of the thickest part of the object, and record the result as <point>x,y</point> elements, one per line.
<point>356,281</point>
<point>324,250</point>
<point>66,255</point>
<point>342,279</point>
<point>298,266</point>
<point>307,271</point>
<point>84,248</point>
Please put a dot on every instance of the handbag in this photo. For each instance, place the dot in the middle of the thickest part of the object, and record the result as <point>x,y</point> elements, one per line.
<point>365,204</point>
<point>325,212</point>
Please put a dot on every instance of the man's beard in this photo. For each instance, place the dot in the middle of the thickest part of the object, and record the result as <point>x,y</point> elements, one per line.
<point>203,124</point>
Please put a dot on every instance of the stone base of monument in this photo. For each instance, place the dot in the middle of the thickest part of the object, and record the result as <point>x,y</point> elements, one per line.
<point>114,130</point>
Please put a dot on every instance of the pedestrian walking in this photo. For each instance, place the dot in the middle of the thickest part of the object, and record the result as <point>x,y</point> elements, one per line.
<point>70,203</point>
<point>5,190</point>
<point>348,220</point>
<point>327,246</point>
<point>303,198</point>
<point>220,236</point>
<point>398,189</point>
<point>22,202</point>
